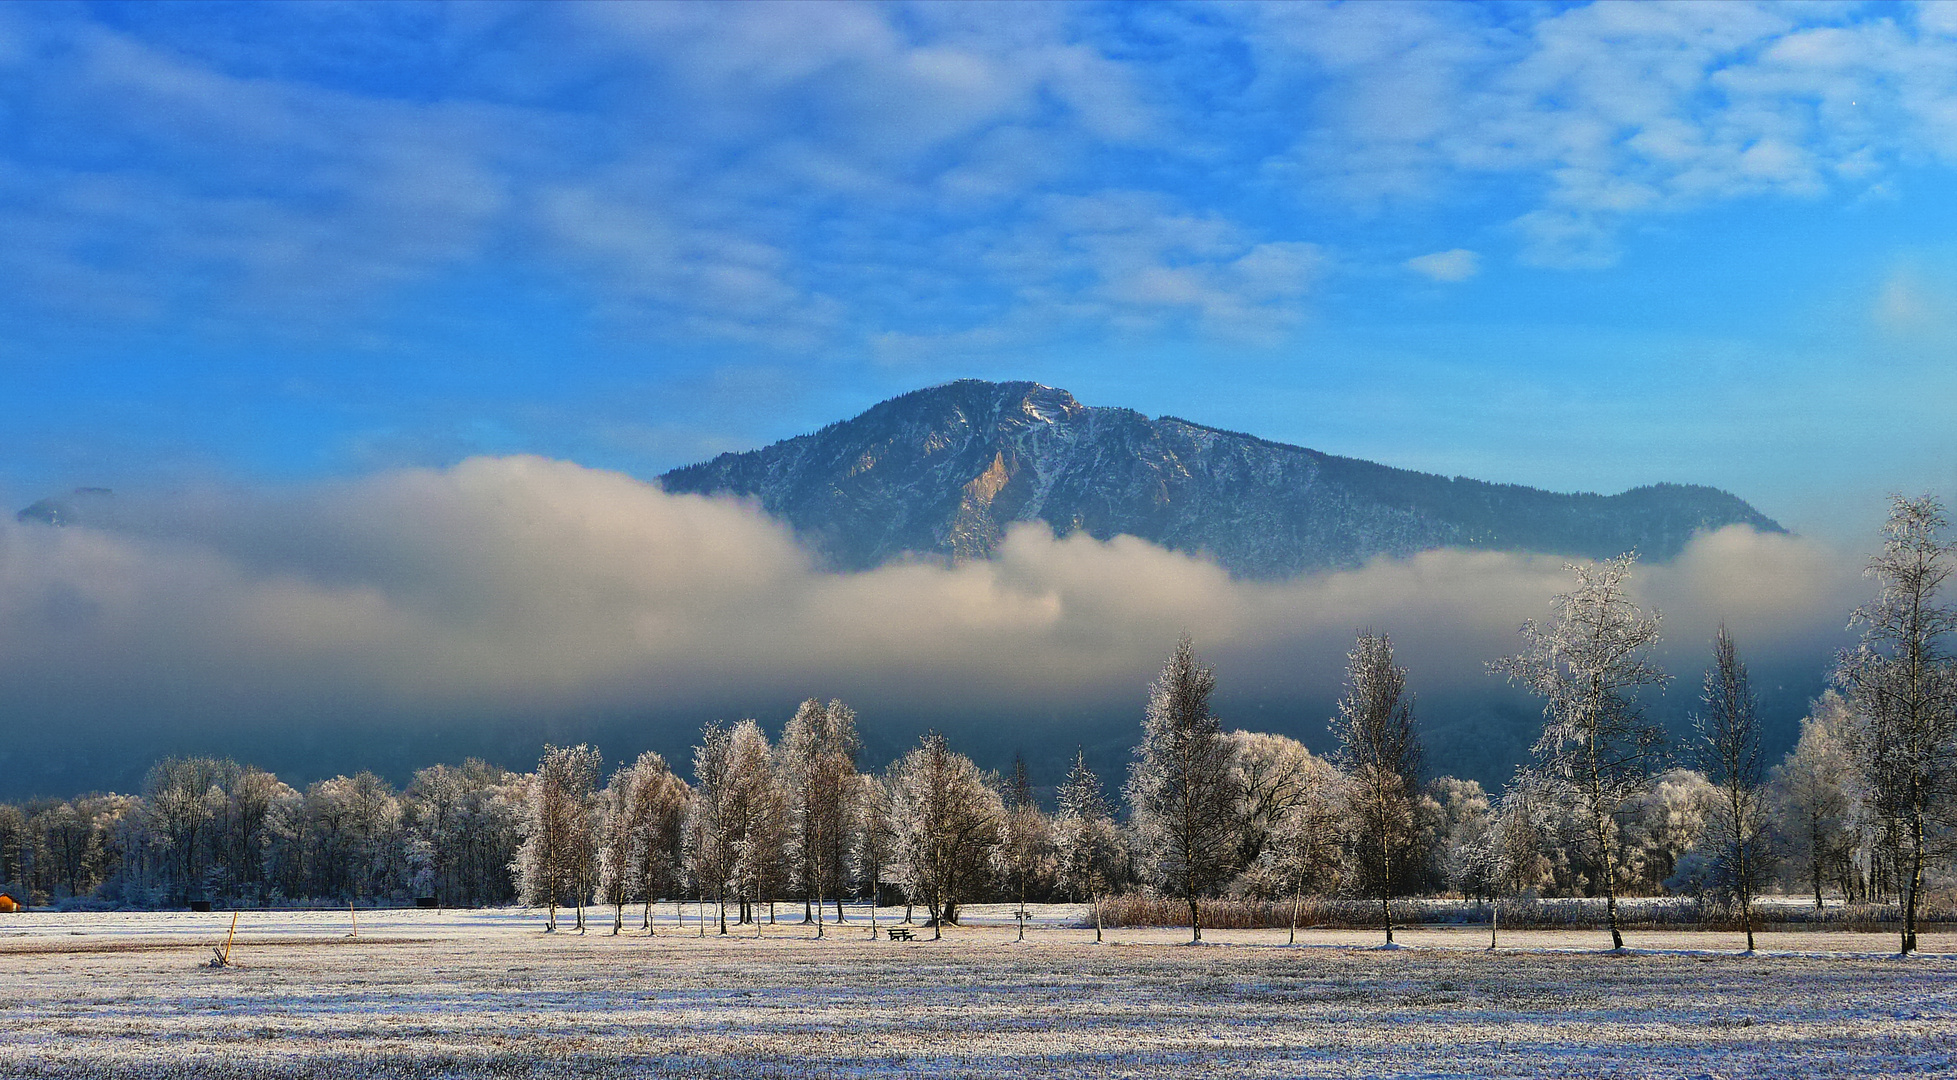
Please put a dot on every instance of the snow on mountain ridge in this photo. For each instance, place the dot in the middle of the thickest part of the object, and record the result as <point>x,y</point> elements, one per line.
<point>947,469</point>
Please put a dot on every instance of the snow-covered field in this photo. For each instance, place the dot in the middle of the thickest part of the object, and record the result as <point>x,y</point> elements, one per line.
<point>484,993</point>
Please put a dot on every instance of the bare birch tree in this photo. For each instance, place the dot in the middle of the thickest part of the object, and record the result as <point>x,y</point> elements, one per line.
<point>1588,663</point>
<point>1181,786</point>
<point>1902,686</point>
<point>1728,750</point>
<point>1381,756</point>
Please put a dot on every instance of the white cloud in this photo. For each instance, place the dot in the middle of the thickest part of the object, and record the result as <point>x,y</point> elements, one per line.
<point>532,586</point>
<point>1611,110</point>
<point>757,175</point>
<point>1456,264</point>
<point>1139,262</point>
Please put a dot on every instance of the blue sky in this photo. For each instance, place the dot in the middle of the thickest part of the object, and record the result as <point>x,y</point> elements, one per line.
<point>1582,247</point>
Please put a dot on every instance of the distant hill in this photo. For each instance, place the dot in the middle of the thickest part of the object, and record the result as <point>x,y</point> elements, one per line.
<point>82,504</point>
<point>945,470</point>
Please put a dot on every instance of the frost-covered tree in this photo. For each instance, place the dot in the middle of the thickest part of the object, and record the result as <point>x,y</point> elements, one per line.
<point>1813,795</point>
<point>1380,753</point>
<point>460,821</point>
<point>1461,828</point>
<point>1275,776</point>
<point>1728,750</point>
<point>181,801</point>
<point>353,837</point>
<point>615,879</point>
<point>1182,787</point>
<point>1588,663</point>
<point>1302,854</point>
<point>1025,849</point>
<point>240,831</point>
<point>873,838</point>
<point>645,815</point>
<point>559,828</point>
<point>464,819</point>
<point>1663,833</point>
<point>1902,687</point>
<point>1510,857</point>
<point>757,808</point>
<point>948,822</point>
<point>818,766</point>
<point>70,839</point>
<point>1087,843</point>
<point>18,850</point>
<point>714,827</point>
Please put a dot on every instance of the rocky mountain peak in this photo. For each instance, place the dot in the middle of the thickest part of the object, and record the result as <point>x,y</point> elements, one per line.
<point>947,469</point>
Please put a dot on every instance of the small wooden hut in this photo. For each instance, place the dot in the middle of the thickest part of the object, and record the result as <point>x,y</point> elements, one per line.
<point>9,905</point>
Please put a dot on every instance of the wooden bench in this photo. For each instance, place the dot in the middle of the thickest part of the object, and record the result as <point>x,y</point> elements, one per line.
<point>899,933</point>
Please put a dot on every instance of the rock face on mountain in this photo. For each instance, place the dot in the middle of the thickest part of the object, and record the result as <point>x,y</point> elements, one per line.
<point>946,470</point>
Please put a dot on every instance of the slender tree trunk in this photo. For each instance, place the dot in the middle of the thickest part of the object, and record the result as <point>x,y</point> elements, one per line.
<point>839,908</point>
<point>1097,918</point>
<point>1386,884</point>
<point>618,918</point>
<point>874,890</point>
<point>1610,904</point>
<point>1814,860</point>
<point>1602,824</point>
<point>1195,920</point>
<point>1494,920</point>
<point>1914,887</point>
<point>1746,898</point>
<point>1297,898</point>
<point>937,919</point>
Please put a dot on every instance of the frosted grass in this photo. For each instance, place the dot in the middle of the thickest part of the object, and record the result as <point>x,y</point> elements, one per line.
<point>486,994</point>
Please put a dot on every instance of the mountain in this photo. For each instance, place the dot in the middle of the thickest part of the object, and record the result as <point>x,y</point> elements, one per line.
<point>945,470</point>
<point>83,504</point>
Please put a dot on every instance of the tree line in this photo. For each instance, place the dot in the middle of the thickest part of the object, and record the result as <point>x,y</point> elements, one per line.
<point>1863,806</point>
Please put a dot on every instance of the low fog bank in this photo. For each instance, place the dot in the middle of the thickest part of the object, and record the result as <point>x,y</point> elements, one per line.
<point>427,615</point>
